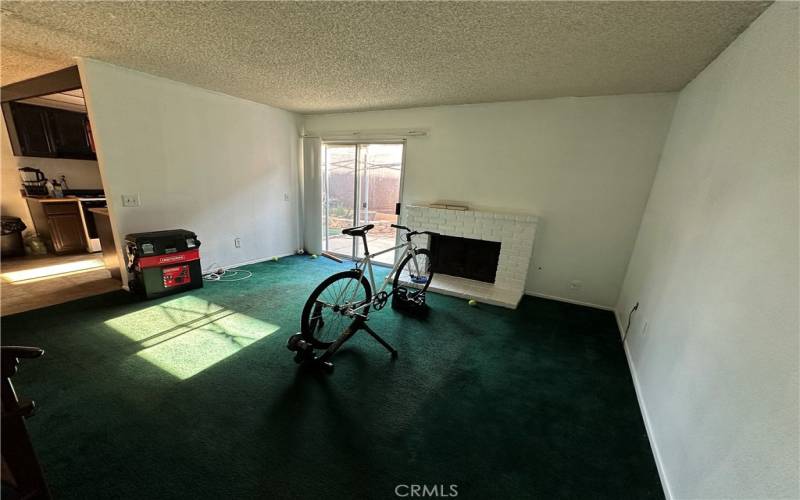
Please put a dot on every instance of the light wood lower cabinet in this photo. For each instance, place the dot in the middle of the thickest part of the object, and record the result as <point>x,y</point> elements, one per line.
<point>60,224</point>
<point>66,230</point>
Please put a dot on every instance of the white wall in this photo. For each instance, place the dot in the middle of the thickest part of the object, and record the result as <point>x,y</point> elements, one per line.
<point>715,270</point>
<point>81,174</point>
<point>199,160</point>
<point>584,165</point>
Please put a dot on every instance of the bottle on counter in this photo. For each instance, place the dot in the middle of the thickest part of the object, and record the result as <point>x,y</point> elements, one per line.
<point>57,191</point>
<point>50,188</point>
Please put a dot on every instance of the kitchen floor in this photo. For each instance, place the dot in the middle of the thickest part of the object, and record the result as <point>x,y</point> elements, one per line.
<point>34,282</point>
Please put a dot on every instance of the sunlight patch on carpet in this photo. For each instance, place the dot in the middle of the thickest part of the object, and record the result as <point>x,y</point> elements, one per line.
<point>187,335</point>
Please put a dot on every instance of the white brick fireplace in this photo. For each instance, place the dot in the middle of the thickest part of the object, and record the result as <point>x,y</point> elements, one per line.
<point>515,233</point>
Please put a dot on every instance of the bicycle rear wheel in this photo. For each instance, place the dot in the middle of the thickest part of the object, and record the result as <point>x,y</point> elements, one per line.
<point>415,273</point>
<point>328,310</point>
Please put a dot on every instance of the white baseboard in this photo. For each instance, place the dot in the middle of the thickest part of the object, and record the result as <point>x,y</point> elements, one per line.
<point>248,262</point>
<point>569,301</point>
<point>643,409</point>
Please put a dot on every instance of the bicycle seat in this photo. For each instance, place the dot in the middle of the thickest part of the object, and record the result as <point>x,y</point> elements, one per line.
<point>358,230</point>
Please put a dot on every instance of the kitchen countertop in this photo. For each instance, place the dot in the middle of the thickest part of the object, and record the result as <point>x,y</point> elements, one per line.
<point>66,199</point>
<point>101,211</point>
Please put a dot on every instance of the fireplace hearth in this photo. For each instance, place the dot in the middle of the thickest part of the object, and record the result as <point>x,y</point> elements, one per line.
<point>476,241</point>
<point>465,257</point>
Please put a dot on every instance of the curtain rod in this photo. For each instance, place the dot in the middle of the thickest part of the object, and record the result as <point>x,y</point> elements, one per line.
<point>356,134</point>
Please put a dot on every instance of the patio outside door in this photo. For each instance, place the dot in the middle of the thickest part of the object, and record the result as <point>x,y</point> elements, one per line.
<point>362,186</point>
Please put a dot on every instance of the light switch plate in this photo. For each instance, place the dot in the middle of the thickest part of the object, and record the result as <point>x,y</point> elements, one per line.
<point>130,200</point>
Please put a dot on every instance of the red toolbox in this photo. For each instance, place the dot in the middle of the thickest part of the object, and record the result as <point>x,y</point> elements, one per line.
<point>163,262</point>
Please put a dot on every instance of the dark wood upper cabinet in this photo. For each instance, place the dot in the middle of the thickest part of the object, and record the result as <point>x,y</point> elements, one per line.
<point>49,132</point>
<point>33,131</point>
<point>69,134</point>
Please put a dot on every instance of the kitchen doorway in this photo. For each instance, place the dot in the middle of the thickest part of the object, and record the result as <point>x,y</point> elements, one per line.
<point>362,185</point>
<point>55,222</point>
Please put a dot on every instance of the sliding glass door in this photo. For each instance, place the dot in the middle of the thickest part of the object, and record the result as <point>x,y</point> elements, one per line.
<point>338,197</point>
<point>362,186</point>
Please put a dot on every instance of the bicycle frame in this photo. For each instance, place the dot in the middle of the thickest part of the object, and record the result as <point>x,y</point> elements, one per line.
<point>366,264</point>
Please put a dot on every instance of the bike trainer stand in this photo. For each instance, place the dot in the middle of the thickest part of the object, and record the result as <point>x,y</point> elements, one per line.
<point>305,351</point>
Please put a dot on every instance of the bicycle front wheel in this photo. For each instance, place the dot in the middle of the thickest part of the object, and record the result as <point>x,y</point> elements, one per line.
<point>329,309</point>
<point>415,273</point>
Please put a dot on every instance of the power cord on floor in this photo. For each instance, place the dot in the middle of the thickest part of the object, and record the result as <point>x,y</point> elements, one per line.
<point>628,326</point>
<point>221,274</point>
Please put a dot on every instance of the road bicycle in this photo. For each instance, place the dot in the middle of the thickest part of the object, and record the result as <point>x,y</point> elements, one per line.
<point>340,305</point>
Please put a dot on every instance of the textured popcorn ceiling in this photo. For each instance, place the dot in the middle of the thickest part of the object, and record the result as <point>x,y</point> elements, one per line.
<point>316,57</point>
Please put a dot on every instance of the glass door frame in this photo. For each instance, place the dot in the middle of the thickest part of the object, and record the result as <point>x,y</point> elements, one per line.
<point>357,191</point>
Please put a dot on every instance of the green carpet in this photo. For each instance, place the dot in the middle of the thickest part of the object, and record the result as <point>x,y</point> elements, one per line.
<point>196,396</point>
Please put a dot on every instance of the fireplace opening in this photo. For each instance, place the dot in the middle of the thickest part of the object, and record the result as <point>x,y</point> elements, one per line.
<point>465,257</point>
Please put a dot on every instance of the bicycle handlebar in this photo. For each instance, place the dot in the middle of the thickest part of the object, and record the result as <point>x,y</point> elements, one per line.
<point>411,233</point>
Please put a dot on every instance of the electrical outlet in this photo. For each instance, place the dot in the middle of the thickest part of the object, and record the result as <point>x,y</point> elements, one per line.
<point>237,242</point>
<point>575,284</point>
<point>285,196</point>
<point>130,200</point>
<point>644,329</point>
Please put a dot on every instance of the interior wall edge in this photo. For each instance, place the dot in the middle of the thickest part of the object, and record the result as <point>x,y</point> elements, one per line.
<point>617,302</point>
<point>88,97</point>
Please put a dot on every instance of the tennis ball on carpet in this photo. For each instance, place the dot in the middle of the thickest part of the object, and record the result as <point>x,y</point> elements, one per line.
<point>313,256</point>
<point>472,302</point>
<point>275,259</point>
